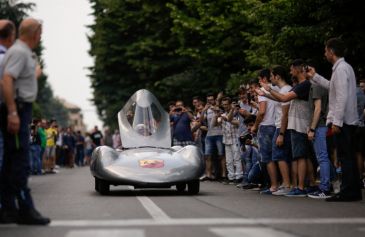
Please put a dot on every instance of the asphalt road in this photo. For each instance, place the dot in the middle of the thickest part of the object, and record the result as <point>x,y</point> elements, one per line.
<point>219,210</point>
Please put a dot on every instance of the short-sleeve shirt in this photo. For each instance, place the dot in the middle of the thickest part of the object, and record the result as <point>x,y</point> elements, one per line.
<point>230,131</point>
<point>51,136</point>
<point>318,92</point>
<point>19,62</point>
<point>299,112</point>
<point>43,135</point>
<point>278,106</point>
<point>269,117</point>
<point>88,142</point>
<point>96,137</point>
<point>182,130</point>
<point>212,130</point>
<point>302,90</point>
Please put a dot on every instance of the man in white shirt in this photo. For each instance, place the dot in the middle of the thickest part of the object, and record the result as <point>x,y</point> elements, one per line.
<point>298,122</point>
<point>342,117</point>
<point>265,128</point>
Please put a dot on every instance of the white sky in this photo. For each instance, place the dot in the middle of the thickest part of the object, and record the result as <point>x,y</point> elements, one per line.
<point>66,51</point>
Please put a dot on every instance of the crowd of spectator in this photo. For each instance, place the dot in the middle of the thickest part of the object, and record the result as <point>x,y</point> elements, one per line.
<point>292,136</point>
<point>286,134</point>
<point>52,147</point>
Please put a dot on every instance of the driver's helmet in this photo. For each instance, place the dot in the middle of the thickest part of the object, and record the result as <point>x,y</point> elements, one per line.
<point>141,129</point>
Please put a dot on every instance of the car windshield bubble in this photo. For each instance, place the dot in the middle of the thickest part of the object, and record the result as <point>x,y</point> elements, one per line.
<point>144,122</point>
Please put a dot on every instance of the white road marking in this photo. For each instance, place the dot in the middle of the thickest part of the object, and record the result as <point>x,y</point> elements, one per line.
<point>156,213</point>
<point>249,232</point>
<point>203,222</point>
<point>362,229</point>
<point>105,233</point>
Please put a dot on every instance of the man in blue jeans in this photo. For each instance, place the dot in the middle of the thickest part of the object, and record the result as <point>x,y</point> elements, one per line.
<point>16,113</point>
<point>250,157</point>
<point>298,122</point>
<point>213,140</point>
<point>342,117</point>
<point>265,129</point>
<point>318,101</point>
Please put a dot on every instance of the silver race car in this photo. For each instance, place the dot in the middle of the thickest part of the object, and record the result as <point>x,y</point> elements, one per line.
<point>146,158</point>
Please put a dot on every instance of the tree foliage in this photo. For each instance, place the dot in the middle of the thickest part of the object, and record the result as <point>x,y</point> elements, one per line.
<point>46,105</point>
<point>182,48</point>
<point>292,29</point>
<point>14,10</point>
<point>133,49</point>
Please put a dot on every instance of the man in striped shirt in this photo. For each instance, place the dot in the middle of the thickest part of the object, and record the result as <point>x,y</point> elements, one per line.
<point>230,140</point>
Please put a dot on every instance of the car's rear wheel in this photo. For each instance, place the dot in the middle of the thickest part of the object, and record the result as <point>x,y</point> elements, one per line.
<point>193,187</point>
<point>102,186</point>
<point>181,187</point>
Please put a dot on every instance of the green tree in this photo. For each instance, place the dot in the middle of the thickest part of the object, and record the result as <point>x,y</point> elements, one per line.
<point>211,34</point>
<point>170,47</point>
<point>14,10</point>
<point>182,48</point>
<point>46,105</point>
<point>290,29</point>
<point>133,49</point>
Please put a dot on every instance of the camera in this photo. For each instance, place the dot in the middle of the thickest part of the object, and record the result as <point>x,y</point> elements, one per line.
<point>177,109</point>
<point>249,97</point>
<point>244,138</point>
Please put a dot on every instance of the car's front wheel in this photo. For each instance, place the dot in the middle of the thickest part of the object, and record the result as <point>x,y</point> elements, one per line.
<point>102,186</point>
<point>193,187</point>
<point>181,187</point>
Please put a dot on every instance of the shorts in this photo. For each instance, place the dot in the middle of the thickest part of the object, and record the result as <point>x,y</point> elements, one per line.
<point>50,152</point>
<point>299,144</point>
<point>89,152</point>
<point>213,143</point>
<point>265,136</point>
<point>283,153</point>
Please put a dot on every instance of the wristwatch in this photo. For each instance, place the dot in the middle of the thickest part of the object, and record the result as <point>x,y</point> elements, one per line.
<point>281,133</point>
<point>312,130</point>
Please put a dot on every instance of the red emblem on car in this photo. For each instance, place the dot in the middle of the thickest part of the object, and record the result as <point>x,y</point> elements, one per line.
<point>151,163</point>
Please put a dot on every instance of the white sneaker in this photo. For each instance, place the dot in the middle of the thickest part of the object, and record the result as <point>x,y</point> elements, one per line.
<point>282,191</point>
<point>320,195</point>
<point>54,171</point>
